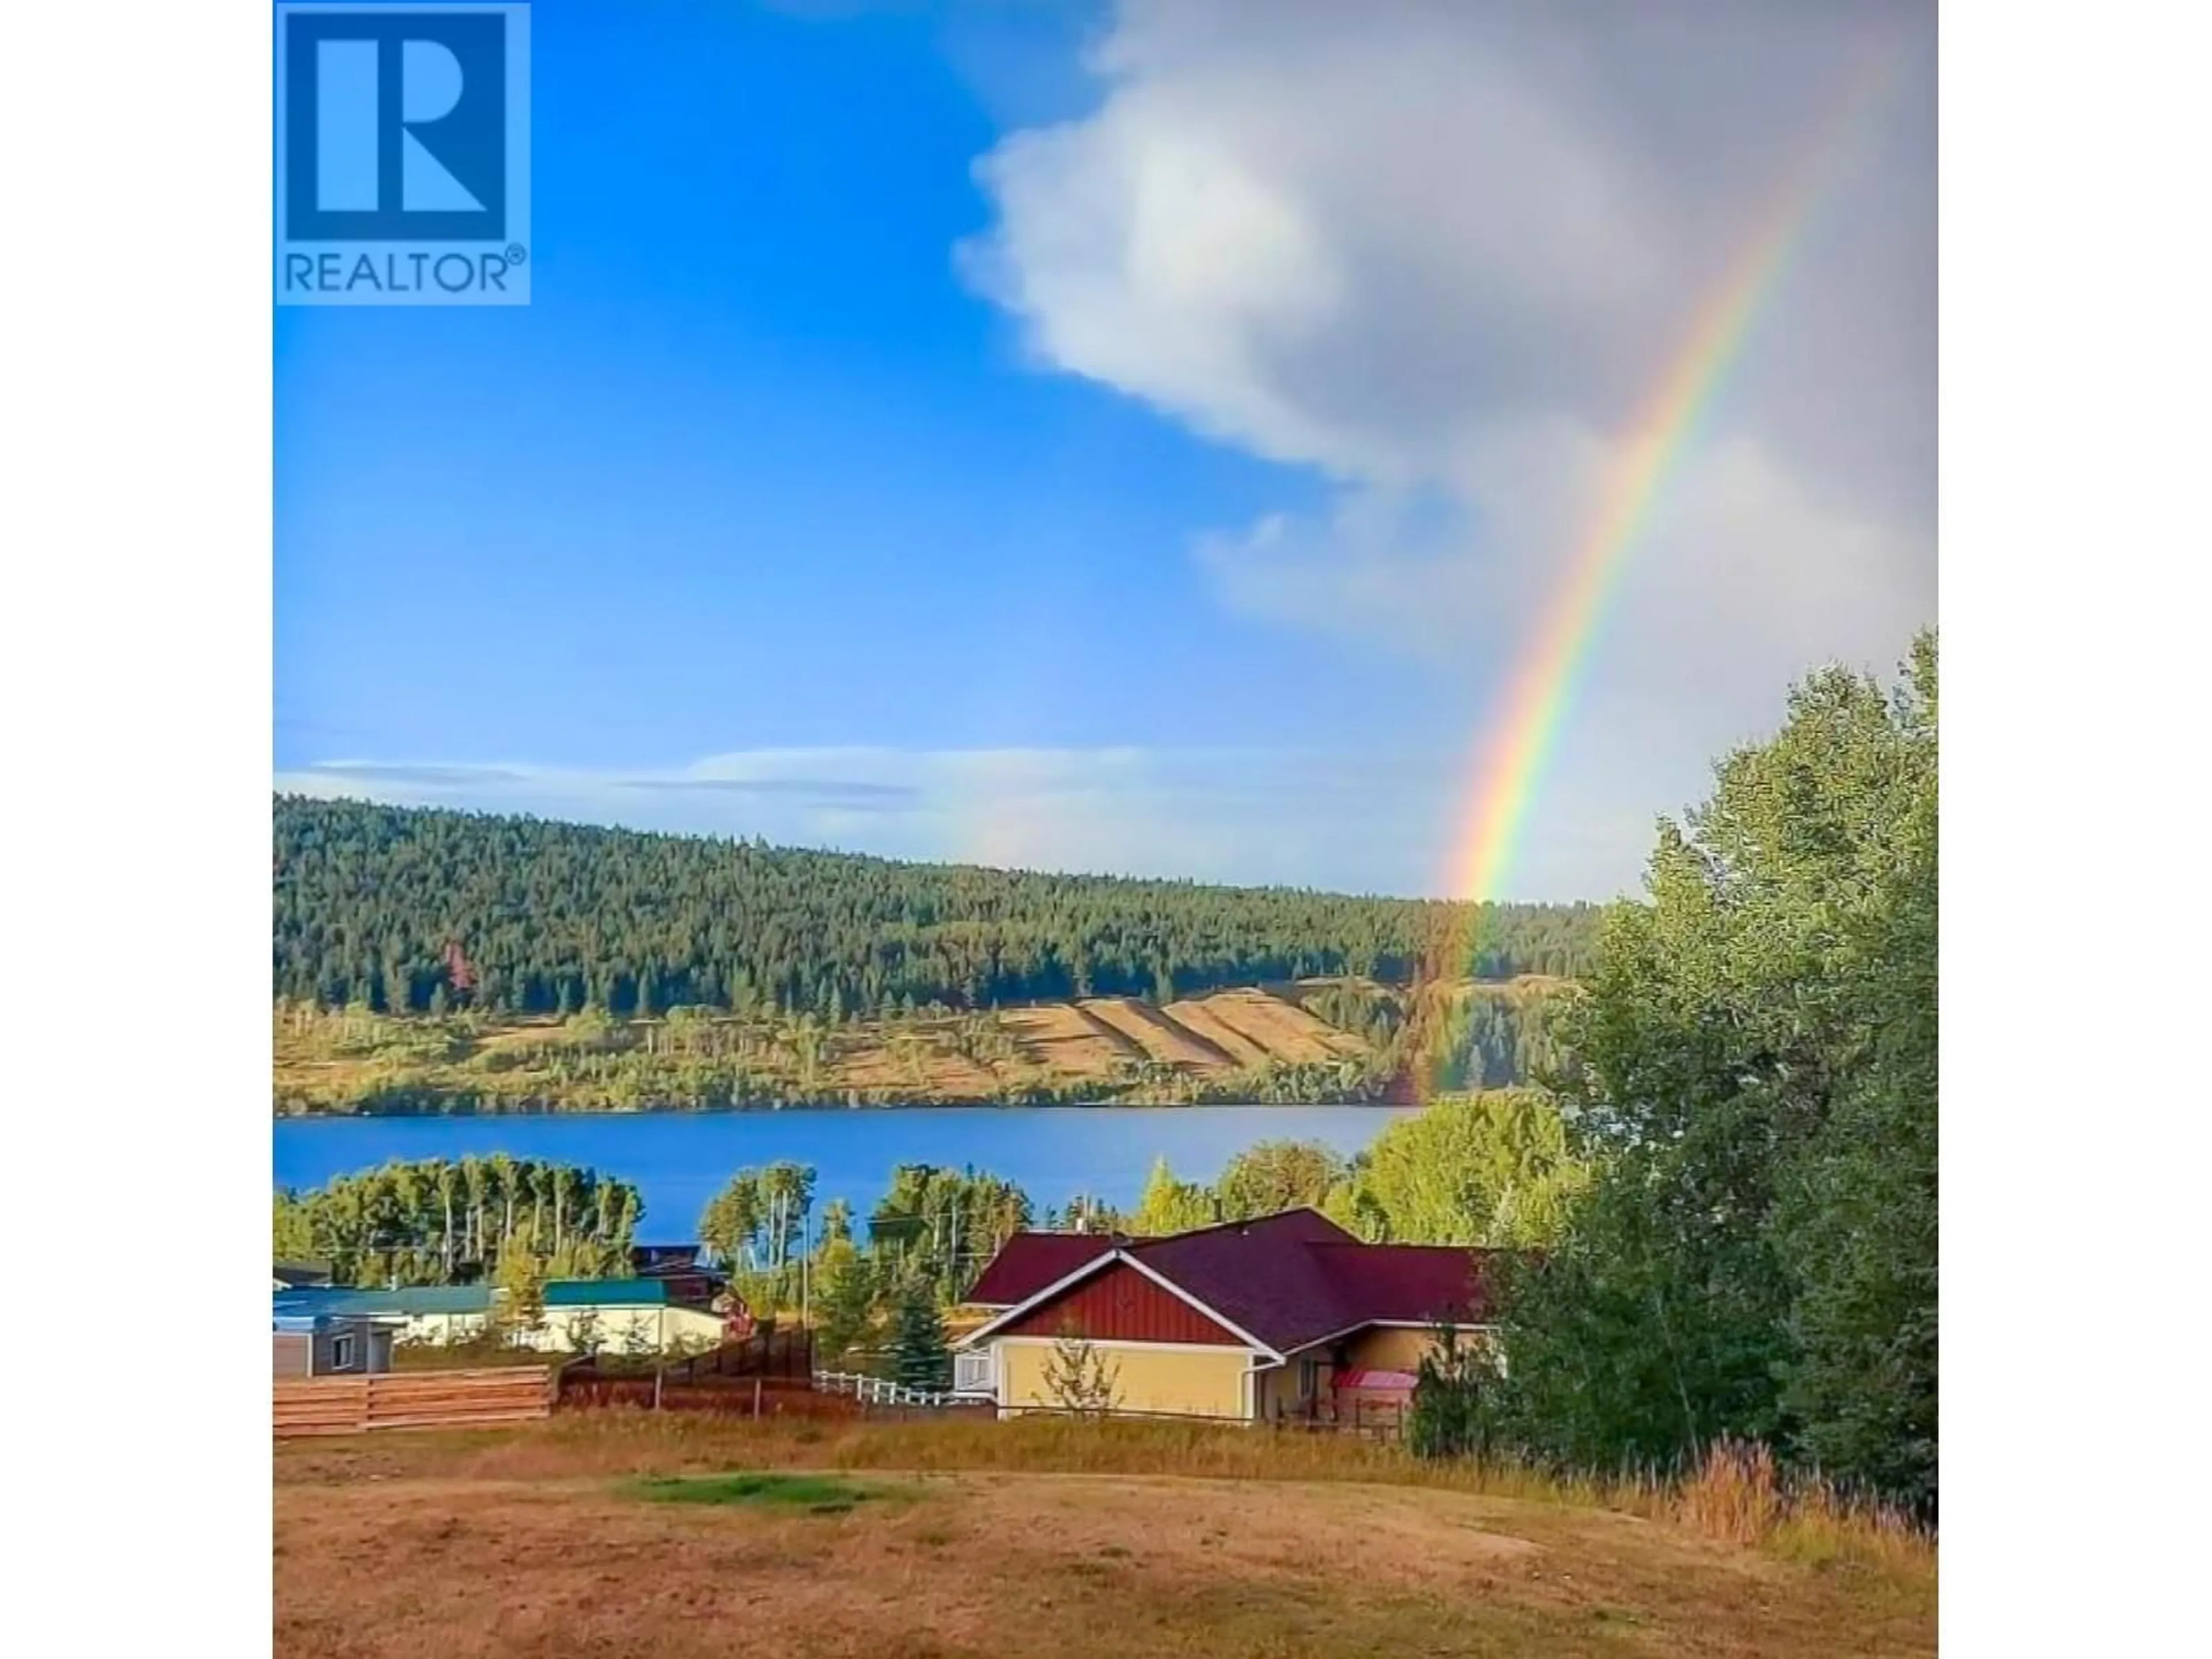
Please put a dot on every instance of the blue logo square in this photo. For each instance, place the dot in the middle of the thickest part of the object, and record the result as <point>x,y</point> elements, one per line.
<point>403,149</point>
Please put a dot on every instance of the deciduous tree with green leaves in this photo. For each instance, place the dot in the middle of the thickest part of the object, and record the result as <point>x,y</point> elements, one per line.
<point>1446,1418</point>
<point>521,1282</point>
<point>1756,1080</point>
<point>1493,1169</point>
<point>1277,1175</point>
<point>1169,1206</point>
<point>845,1287</point>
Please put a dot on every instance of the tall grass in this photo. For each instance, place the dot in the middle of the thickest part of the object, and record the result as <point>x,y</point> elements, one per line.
<point>1736,1494</point>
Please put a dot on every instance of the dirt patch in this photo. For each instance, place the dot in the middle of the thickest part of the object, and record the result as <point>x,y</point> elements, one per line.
<point>523,1034</point>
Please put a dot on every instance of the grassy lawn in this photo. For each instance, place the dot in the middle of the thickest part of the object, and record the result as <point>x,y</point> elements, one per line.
<point>818,1494</point>
<point>668,1537</point>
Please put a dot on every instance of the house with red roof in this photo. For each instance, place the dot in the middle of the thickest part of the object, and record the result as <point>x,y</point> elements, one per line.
<point>1283,1315</point>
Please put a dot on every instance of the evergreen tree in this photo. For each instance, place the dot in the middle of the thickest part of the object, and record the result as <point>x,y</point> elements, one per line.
<point>919,1356</point>
<point>378,904</point>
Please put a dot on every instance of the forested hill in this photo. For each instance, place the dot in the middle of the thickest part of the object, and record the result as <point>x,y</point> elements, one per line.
<point>410,910</point>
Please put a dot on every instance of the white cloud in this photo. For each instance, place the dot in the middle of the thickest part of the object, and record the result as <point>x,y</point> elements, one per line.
<point>1440,253</point>
<point>1437,253</point>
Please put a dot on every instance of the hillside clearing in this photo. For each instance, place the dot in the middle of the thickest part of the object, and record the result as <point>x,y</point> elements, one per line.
<point>1284,1030</point>
<point>1196,1015</point>
<point>1161,1038</point>
<point>1243,1043</point>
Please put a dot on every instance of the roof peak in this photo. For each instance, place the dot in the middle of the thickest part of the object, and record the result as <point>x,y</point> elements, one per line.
<point>1246,1224</point>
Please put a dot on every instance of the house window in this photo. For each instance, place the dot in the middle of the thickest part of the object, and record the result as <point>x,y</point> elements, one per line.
<point>342,1352</point>
<point>971,1372</point>
<point>1309,1377</point>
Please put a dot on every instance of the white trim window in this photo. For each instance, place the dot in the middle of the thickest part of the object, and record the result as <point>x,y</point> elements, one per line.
<point>975,1370</point>
<point>342,1352</point>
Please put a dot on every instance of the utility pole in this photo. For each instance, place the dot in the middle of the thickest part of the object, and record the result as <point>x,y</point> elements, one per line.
<point>806,1264</point>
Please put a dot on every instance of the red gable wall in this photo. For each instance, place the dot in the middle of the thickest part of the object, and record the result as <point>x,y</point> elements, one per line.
<point>1119,1303</point>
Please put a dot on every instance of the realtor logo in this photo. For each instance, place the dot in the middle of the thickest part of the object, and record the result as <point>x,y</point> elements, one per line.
<point>403,155</point>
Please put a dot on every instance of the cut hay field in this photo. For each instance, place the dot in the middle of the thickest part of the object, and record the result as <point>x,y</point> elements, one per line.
<point>1246,1043</point>
<point>665,1537</point>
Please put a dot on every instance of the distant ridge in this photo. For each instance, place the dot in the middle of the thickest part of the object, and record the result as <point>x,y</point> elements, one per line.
<point>412,910</point>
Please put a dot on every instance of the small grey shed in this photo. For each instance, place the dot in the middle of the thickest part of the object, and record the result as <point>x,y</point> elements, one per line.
<point>332,1345</point>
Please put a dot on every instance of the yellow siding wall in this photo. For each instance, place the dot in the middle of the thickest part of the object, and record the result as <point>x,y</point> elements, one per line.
<point>1204,1382</point>
<point>1276,1389</point>
<point>1390,1348</point>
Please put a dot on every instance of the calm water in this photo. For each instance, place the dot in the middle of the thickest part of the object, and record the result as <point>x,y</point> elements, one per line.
<point>679,1160</point>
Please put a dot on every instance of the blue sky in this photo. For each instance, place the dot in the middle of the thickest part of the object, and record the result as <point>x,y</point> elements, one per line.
<point>973,432</point>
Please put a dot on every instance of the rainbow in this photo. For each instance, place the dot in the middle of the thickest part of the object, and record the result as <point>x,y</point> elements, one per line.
<point>1510,764</point>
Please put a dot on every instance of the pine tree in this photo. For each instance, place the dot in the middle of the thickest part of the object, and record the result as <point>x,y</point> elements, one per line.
<point>919,1356</point>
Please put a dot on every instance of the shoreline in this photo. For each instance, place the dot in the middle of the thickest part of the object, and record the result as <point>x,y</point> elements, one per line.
<point>843,1108</point>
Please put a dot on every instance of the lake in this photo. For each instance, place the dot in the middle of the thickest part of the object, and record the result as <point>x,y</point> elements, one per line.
<point>678,1160</point>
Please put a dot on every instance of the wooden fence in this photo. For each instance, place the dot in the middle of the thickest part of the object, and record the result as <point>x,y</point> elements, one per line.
<point>769,1374</point>
<point>412,1400</point>
<point>785,1356</point>
<point>1382,1424</point>
<point>583,1388</point>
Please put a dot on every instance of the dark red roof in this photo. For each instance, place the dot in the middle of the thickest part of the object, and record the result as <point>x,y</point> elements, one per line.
<point>1414,1283</point>
<point>1028,1262</point>
<point>1286,1280</point>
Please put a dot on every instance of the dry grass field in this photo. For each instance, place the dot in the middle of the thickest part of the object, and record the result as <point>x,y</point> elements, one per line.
<point>624,1534</point>
<point>1061,1037</point>
<point>1198,1016</point>
<point>1100,1048</point>
<point>1284,1030</point>
<point>1161,1039</point>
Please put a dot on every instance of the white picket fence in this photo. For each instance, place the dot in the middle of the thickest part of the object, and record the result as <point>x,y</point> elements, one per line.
<point>879,1391</point>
